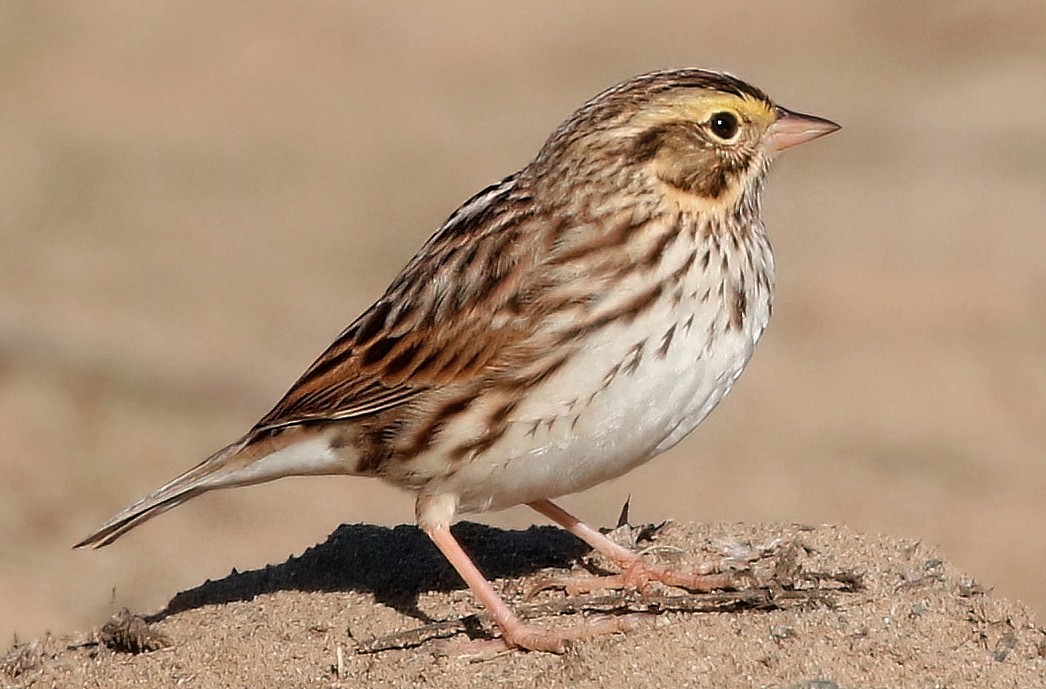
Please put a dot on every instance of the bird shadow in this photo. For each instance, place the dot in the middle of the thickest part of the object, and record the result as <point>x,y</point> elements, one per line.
<point>395,564</point>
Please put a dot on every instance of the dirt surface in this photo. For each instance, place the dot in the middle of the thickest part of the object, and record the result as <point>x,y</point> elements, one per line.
<point>196,198</point>
<point>834,609</point>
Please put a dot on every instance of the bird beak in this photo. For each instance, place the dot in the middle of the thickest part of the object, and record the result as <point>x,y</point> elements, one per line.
<point>793,128</point>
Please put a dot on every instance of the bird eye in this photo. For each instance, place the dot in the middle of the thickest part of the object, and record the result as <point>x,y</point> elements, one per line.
<point>724,125</point>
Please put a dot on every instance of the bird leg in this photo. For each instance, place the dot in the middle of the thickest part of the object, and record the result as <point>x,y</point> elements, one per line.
<point>636,573</point>
<point>515,633</point>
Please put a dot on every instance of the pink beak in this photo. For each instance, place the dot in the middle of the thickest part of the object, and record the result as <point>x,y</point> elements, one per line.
<point>793,128</point>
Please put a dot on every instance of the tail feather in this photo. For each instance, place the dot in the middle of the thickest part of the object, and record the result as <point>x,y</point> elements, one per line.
<point>203,477</point>
<point>134,515</point>
<point>255,458</point>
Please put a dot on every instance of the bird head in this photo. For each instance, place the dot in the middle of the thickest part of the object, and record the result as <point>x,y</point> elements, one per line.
<point>705,134</point>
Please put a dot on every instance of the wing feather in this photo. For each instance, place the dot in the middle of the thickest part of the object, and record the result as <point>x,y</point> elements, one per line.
<point>441,322</point>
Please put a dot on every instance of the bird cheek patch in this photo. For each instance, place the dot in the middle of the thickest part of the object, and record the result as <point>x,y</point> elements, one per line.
<point>697,171</point>
<point>683,159</point>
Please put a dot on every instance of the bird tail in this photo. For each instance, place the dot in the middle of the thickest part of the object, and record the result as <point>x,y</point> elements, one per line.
<point>200,479</point>
<point>252,459</point>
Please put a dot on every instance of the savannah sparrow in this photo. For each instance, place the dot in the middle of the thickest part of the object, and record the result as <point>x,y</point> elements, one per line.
<point>562,327</point>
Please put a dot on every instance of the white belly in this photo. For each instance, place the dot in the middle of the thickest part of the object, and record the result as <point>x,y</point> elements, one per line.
<point>616,404</point>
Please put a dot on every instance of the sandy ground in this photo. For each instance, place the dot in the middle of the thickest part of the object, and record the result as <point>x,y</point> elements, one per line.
<point>832,610</point>
<point>195,200</point>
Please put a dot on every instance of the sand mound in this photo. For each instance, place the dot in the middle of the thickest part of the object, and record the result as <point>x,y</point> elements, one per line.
<point>832,608</point>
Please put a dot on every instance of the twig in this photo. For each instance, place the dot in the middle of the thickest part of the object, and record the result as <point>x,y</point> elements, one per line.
<point>618,604</point>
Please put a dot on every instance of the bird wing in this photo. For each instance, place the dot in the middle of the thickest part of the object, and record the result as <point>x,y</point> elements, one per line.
<point>446,320</point>
<point>442,321</point>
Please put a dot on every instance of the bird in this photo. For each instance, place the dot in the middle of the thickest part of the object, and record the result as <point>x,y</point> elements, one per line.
<point>562,327</point>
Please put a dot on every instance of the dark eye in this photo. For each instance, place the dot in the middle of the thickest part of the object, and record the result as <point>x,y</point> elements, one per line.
<point>724,125</point>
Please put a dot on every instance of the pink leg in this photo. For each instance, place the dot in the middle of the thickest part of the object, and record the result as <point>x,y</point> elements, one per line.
<point>636,572</point>
<point>515,632</point>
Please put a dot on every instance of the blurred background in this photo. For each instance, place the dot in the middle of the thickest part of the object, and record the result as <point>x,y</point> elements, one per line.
<point>196,198</point>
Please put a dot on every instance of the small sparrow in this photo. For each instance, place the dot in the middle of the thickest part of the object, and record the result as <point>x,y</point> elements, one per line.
<point>562,327</point>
